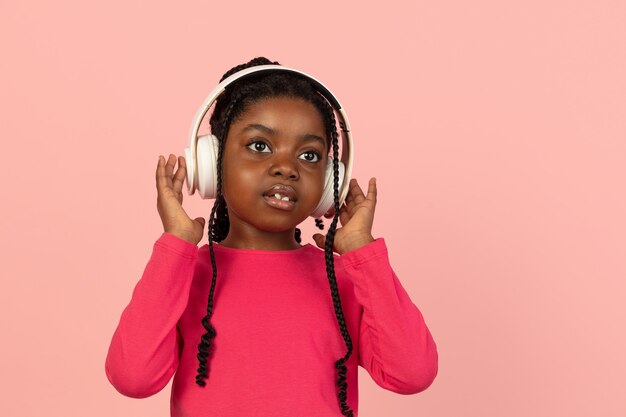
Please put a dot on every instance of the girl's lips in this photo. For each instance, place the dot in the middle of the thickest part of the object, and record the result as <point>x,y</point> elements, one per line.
<point>279,204</point>
<point>283,190</point>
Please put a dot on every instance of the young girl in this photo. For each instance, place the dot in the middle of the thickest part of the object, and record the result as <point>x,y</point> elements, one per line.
<point>273,340</point>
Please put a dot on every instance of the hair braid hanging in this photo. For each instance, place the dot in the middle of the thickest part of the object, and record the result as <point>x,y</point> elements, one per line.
<point>205,344</point>
<point>330,270</point>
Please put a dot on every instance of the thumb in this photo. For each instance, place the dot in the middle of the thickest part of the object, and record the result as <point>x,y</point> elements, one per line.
<point>320,240</point>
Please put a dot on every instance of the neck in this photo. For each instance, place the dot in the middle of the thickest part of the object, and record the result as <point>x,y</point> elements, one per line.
<point>259,239</point>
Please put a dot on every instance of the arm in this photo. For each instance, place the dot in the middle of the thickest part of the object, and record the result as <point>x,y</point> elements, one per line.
<point>395,345</point>
<point>143,354</point>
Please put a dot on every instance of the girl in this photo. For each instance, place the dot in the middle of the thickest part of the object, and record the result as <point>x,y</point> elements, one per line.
<point>272,342</point>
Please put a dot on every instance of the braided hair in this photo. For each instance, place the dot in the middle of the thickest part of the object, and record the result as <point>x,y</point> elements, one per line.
<point>231,104</point>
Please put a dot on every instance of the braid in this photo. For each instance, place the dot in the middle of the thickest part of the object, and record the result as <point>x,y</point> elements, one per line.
<point>330,270</point>
<point>228,107</point>
<point>205,344</point>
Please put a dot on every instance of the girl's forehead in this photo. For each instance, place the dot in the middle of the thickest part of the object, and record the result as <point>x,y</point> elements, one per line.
<point>270,104</point>
<point>293,114</point>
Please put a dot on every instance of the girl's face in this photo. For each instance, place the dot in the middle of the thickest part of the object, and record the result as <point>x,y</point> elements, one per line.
<point>278,140</point>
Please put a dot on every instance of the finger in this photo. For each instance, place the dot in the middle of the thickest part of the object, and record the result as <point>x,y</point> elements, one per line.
<point>344,216</point>
<point>320,240</point>
<point>372,191</point>
<point>331,211</point>
<point>349,200</point>
<point>161,180</point>
<point>158,171</point>
<point>357,193</point>
<point>179,177</point>
<point>169,169</point>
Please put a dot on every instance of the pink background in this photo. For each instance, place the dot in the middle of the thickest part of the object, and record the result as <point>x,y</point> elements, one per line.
<point>496,131</point>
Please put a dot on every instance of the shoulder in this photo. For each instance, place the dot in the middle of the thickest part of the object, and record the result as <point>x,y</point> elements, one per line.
<point>321,252</point>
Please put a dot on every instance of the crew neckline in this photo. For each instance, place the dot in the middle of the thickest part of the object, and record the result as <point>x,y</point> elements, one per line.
<point>260,251</point>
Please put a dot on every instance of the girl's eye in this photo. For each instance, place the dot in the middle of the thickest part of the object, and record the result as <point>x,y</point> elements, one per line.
<point>259,145</point>
<point>257,142</point>
<point>314,154</point>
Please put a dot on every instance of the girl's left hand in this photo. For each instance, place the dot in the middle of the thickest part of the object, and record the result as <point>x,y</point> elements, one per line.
<point>356,216</point>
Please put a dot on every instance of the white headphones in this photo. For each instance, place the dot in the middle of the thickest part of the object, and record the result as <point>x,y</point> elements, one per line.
<point>202,151</point>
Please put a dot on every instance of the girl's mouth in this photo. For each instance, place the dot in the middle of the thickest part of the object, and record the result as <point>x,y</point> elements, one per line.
<point>279,204</point>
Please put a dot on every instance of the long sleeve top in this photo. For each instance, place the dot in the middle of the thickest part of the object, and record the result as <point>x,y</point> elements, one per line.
<point>277,335</point>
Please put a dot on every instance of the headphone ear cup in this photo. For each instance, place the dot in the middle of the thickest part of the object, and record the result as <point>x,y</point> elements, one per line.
<point>207,149</point>
<point>328,199</point>
<point>190,172</point>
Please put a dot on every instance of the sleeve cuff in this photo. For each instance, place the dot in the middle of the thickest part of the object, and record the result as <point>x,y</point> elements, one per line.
<point>355,257</point>
<point>176,244</point>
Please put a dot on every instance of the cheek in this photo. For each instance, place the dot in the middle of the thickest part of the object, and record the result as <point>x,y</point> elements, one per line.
<point>316,191</point>
<point>240,183</point>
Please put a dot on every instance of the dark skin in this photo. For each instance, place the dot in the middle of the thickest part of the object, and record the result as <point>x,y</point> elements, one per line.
<point>250,168</point>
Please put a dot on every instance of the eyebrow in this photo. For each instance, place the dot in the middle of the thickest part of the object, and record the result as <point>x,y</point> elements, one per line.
<point>268,130</point>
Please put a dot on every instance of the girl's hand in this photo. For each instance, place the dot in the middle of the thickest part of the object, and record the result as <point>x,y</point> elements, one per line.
<point>170,198</point>
<point>356,216</point>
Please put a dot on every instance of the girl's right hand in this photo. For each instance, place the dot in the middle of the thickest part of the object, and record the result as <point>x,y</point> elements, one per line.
<point>170,199</point>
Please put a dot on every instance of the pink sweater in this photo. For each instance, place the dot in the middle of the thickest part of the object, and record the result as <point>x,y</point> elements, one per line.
<point>277,334</point>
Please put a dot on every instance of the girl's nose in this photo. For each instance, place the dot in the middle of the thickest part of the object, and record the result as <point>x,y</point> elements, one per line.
<point>285,166</point>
